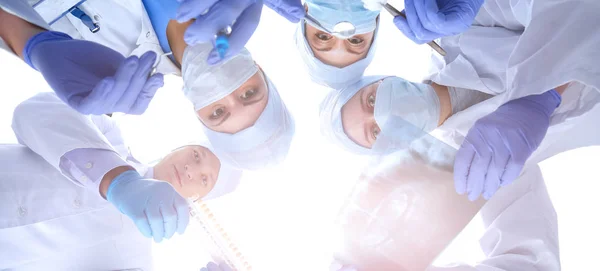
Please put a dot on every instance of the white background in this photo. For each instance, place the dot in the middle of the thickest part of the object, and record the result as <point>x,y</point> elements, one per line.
<point>279,218</point>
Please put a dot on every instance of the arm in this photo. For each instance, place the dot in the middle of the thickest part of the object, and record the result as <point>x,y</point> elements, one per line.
<point>521,229</point>
<point>16,31</point>
<point>80,149</point>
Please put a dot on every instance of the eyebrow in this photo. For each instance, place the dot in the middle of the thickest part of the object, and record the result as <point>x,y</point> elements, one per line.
<point>254,101</point>
<point>223,119</point>
<point>353,52</point>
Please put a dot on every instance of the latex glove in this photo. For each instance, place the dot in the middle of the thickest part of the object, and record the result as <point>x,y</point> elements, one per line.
<point>220,14</point>
<point>498,145</point>
<point>92,78</point>
<point>154,206</point>
<point>292,10</point>
<point>214,267</point>
<point>427,20</point>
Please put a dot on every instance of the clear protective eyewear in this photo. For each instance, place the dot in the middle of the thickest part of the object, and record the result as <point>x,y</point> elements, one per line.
<point>343,29</point>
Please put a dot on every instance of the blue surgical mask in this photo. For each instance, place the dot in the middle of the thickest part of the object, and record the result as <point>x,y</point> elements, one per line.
<point>415,103</point>
<point>331,12</point>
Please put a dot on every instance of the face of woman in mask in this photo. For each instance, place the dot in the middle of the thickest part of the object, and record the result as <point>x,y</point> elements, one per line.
<point>191,170</point>
<point>358,116</point>
<point>335,51</point>
<point>238,110</point>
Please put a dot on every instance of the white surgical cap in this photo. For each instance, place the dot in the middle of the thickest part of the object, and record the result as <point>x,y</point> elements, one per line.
<point>204,84</point>
<point>228,179</point>
<point>327,75</point>
<point>264,144</point>
<point>330,114</point>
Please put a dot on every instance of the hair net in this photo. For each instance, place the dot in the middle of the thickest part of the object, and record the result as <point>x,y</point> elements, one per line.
<point>204,84</point>
<point>227,180</point>
<point>328,75</point>
<point>331,114</point>
<point>265,143</point>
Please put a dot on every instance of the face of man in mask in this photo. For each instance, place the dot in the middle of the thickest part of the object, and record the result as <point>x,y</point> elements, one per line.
<point>358,119</point>
<point>191,170</point>
<point>335,51</point>
<point>238,110</point>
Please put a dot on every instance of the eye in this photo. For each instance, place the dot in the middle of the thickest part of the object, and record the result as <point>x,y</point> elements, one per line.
<point>322,36</point>
<point>217,113</point>
<point>376,131</point>
<point>371,101</point>
<point>248,94</point>
<point>196,155</point>
<point>204,180</point>
<point>355,40</point>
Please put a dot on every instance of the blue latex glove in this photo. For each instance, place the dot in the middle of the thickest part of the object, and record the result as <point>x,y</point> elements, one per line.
<point>292,10</point>
<point>154,206</point>
<point>92,78</point>
<point>214,267</point>
<point>427,20</point>
<point>498,145</point>
<point>221,13</point>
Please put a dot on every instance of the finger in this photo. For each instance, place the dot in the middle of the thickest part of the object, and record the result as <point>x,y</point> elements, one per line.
<point>414,22</point>
<point>212,267</point>
<point>137,83</point>
<point>183,214</point>
<point>144,227</point>
<point>479,169</point>
<point>203,269</point>
<point>93,102</point>
<point>511,172</point>
<point>225,267</point>
<point>425,10</point>
<point>123,78</point>
<point>156,223</point>
<point>501,156</point>
<point>148,91</point>
<point>221,15</point>
<point>241,32</point>
<point>436,20</point>
<point>189,9</point>
<point>462,164</point>
<point>169,215</point>
<point>293,12</point>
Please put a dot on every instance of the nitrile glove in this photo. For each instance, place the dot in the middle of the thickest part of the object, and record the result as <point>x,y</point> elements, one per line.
<point>92,78</point>
<point>292,10</point>
<point>427,20</point>
<point>498,145</point>
<point>154,206</point>
<point>212,16</point>
<point>215,267</point>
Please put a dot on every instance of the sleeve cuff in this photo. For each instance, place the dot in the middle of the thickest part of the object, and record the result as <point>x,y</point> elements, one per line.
<point>87,167</point>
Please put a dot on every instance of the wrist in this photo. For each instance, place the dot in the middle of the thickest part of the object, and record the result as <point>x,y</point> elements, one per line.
<point>38,39</point>
<point>110,177</point>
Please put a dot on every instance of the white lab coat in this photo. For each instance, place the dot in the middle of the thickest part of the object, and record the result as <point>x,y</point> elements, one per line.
<point>524,48</point>
<point>124,26</point>
<point>50,221</point>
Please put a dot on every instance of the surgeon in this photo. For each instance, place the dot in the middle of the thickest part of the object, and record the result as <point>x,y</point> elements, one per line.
<point>333,59</point>
<point>90,152</point>
<point>89,77</point>
<point>534,56</point>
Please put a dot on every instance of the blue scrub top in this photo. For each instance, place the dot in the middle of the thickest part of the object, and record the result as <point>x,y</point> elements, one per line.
<point>160,13</point>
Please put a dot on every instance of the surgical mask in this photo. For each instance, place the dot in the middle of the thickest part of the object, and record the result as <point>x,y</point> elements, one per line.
<point>204,84</point>
<point>331,76</point>
<point>331,12</point>
<point>415,103</point>
<point>264,144</point>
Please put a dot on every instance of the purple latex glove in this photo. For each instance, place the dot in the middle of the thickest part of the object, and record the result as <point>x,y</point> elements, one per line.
<point>214,267</point>
<point>92,78</point>
<point>292,10</point>
<point>498,145</point>
<point>213,16</point>
<point>427,20</point>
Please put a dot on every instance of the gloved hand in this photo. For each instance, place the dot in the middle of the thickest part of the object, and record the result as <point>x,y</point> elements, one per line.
<point>498,145</point>
<point>92,78</point>
<point>154,206</point>
<point>427,20</point>
<point>292,10</point>
<point>214,267</point>
<point>214,15</point>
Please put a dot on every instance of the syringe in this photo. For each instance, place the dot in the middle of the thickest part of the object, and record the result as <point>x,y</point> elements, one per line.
<point>226,251</point>
<point>222,41</point>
